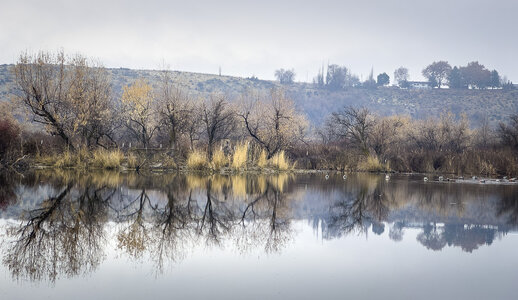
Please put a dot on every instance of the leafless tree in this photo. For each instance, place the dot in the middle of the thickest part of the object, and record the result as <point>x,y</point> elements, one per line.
<point>352,125</point>
<point>218,120</point>
<point>43,83</point>
<point>71,97</point>
<point>175,109</point>
<point>273,122</point>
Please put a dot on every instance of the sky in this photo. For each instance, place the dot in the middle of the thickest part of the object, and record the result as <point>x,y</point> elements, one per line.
<point>248,38</point>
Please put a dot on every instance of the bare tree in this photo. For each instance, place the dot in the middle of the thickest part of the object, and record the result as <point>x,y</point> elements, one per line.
<point>508,133</point>
<point>175,110</point>
<point>218,120</point>
<point>353,125</point>
<point>71,97</point>
<point>43,81</point>
<point>272,121</point>
<point>89,96</point>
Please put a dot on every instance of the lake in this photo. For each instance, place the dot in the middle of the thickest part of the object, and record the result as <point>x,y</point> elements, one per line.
<point>67,235</point>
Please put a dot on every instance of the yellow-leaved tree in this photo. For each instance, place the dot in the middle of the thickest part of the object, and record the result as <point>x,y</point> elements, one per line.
<point>138,111</point>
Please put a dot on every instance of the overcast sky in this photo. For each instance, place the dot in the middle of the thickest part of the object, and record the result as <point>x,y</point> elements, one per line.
<point>256,37</point>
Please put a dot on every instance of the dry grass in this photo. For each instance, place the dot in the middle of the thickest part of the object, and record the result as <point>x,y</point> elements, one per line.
<point>239,159</point>
<point>69,159</point>
<point>106,159</point>
<point>262,160</point>
<point>197,160</point>
<point>132,161</point>
<point>372,164</point>
<point>280,162</point>
<point>219,160</point>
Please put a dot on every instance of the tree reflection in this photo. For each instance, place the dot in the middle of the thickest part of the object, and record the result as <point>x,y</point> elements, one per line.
<point>64,236</point>
<point>163,218</point>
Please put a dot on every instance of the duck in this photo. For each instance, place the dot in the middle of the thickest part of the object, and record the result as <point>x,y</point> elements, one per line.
<point>327,176</point>
<point>344,177</point>
<point>441,178</point>
<point>387,177</point>
<point>425,179</point>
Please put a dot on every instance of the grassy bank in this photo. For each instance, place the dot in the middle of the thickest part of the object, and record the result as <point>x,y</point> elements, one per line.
<point>242,159</point>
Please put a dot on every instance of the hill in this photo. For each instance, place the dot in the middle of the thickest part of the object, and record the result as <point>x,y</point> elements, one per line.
<point>317,103</point>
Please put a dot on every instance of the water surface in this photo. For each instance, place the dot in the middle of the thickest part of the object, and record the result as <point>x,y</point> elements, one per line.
<point>160,236</point>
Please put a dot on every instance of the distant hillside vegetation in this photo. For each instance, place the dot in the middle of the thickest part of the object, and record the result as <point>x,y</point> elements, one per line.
<point>495,105</point>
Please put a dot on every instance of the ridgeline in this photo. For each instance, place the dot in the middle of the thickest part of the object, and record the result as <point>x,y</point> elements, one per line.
<point>317,103</point>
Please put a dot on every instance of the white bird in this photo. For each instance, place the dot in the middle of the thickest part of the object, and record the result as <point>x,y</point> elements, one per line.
<point>441,178</point>
<point>327,176</point>
<point>344,177</point>
<point>425,178</point>
<point>387,177</point>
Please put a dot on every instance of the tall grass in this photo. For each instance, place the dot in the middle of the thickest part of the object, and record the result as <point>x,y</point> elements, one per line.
<point>219,160</point>
<point>106,159</point>
<point>239,159</point>
<point>372,164</point>
<point>280,162</point>
<point>262,160</point>
<point>132,161</point>
<point>197,160</point>
<point>68,159</point>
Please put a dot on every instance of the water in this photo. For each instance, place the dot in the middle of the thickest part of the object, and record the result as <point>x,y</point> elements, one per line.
<point>160,236</point>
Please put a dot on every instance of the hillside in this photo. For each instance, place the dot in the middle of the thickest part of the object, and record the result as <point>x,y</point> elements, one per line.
<point>317,103</point>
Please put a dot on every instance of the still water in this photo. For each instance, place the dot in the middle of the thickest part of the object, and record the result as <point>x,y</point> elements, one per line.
<point>169,236</point>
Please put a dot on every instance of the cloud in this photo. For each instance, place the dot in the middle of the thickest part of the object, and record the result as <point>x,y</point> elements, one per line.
<point>256,37</point>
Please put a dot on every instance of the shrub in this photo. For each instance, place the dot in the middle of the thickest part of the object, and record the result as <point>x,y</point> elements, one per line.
<point>9,135</point>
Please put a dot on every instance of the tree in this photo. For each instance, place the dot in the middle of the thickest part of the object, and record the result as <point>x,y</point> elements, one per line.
<point>508,133</point>
<point>336,77</point>
<point>90,99</point>
<point>475,75</point>
<point>401,76</point>
<point>437,73</point>
<point>455,79</point>
<point>273,122</point>
<point>383,79</point>
<point>71,97</point>
<point>495,79</point>
<point>175,110</point>
<point>218,120</point>
<point>319,79</point>
<point>353,126</point>
<point>285,76</point>
<point>42,82</point>
<point>138,111</point>
<point>370,83</point>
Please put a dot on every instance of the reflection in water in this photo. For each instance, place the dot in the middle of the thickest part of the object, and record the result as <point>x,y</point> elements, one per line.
<point>163,217</point>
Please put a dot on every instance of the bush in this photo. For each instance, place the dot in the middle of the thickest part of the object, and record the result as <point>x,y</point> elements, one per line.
<point>9,138</point>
